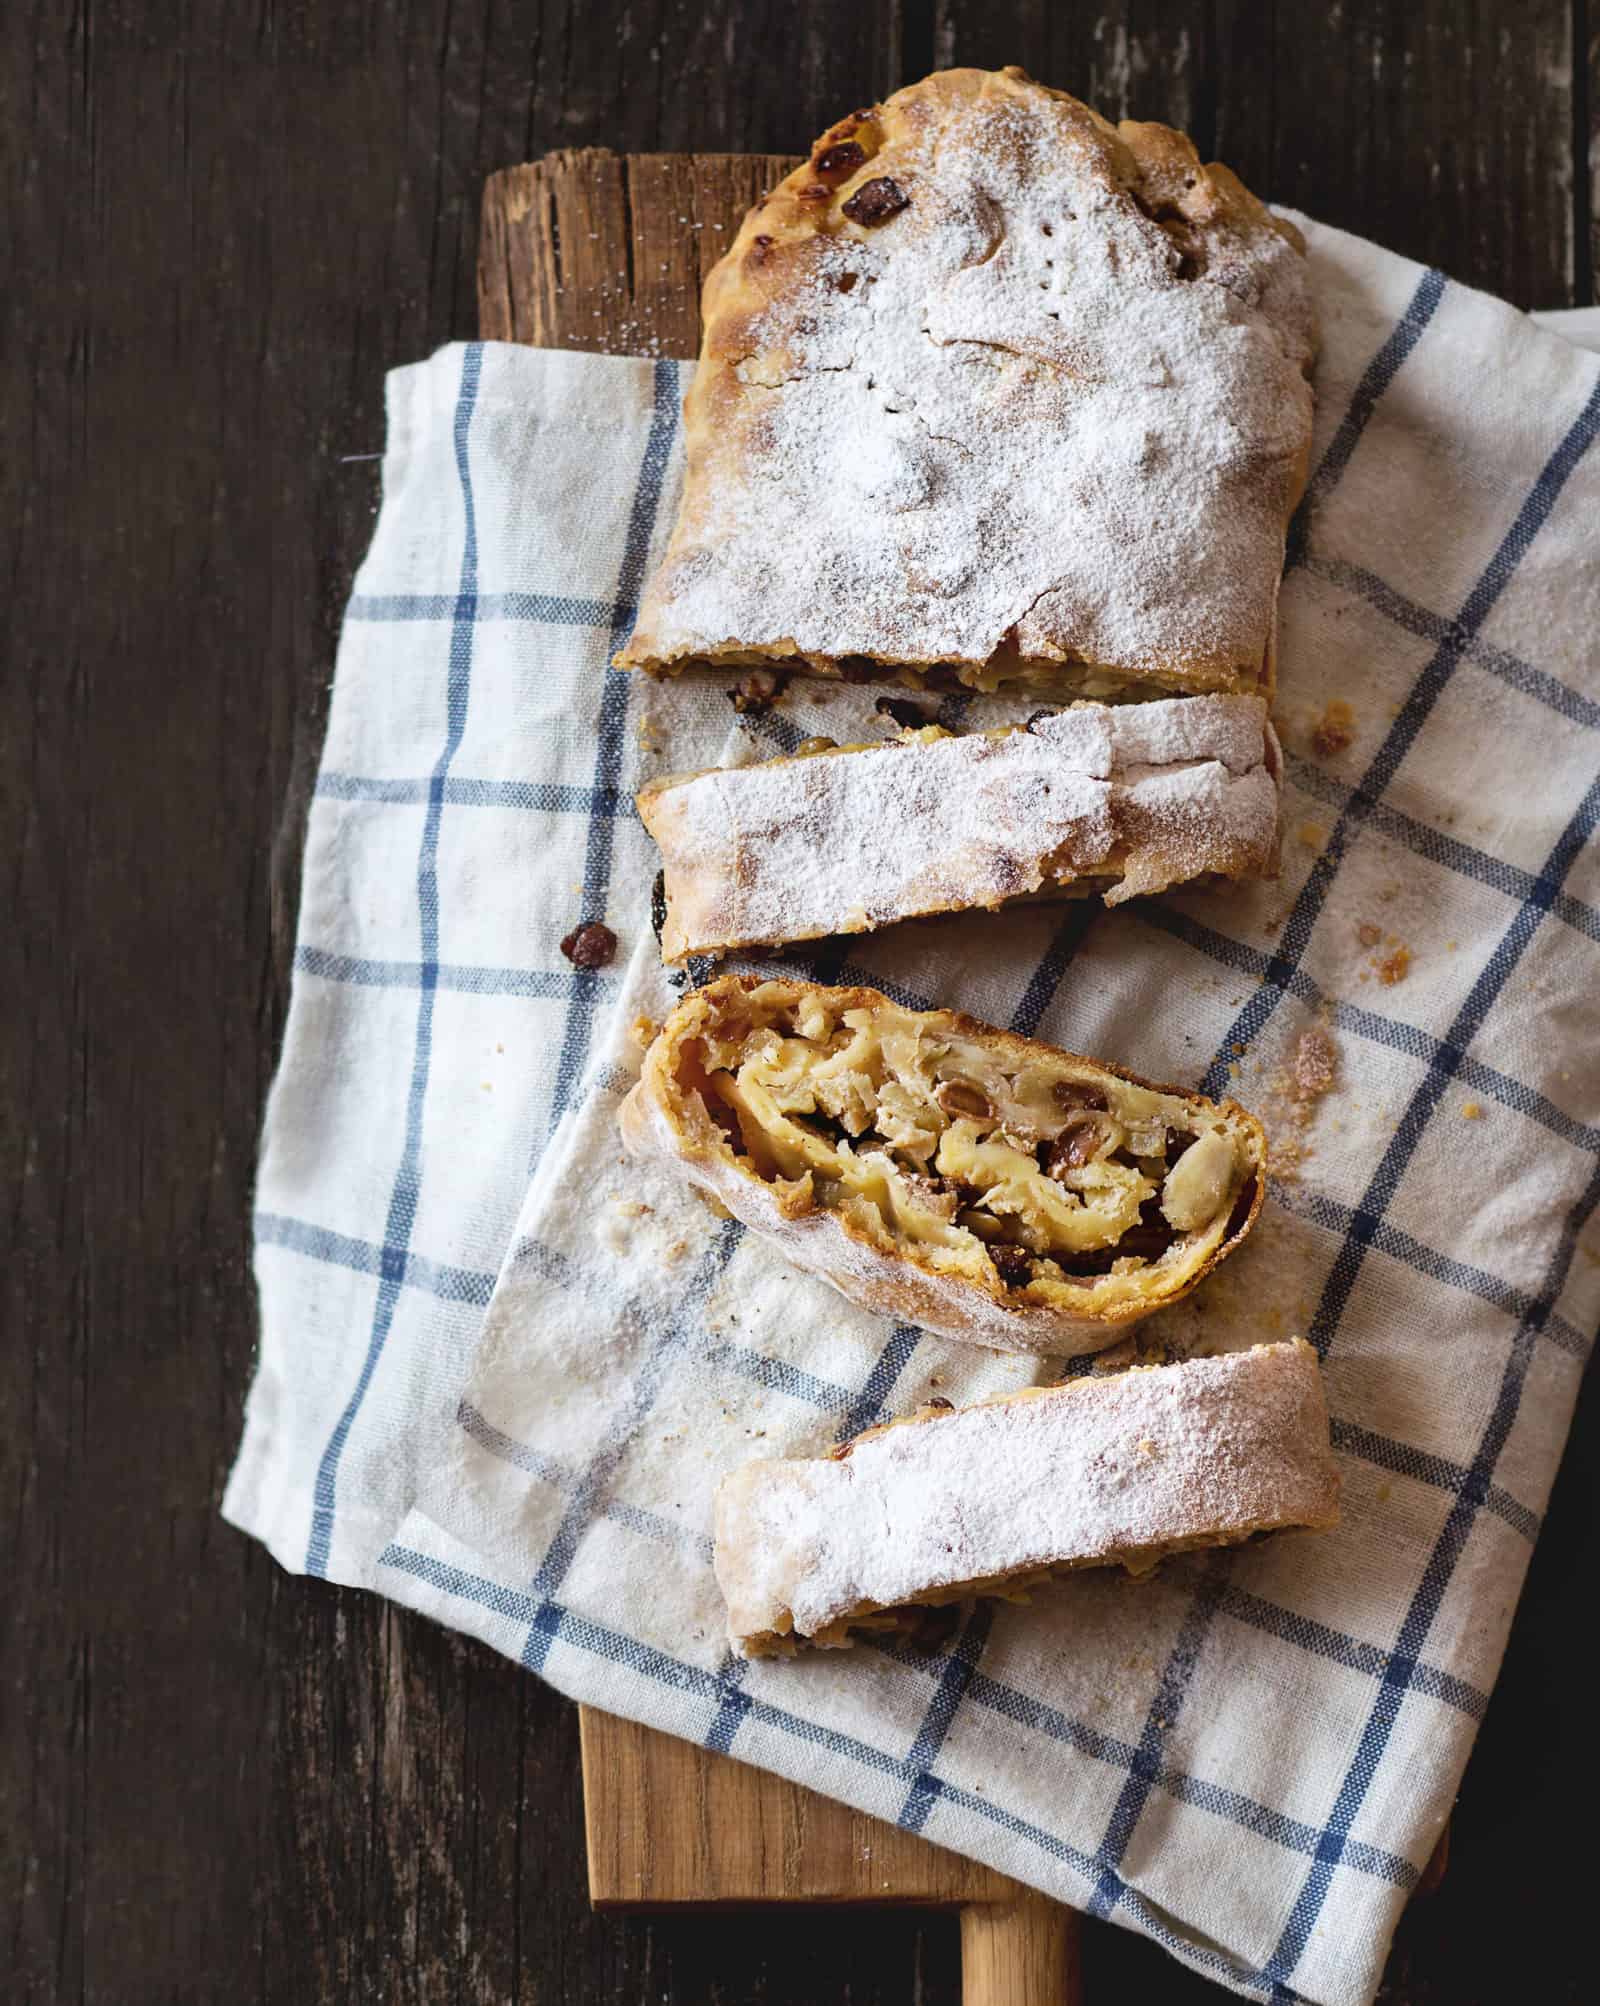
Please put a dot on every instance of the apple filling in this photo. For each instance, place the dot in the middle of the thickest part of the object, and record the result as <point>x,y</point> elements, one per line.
<point>1016,1166</point>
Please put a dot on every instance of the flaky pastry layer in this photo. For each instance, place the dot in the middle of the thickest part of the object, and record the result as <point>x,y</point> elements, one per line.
<point>940,1171</point>
<point>1115,800</point>
<point>1000,1497</point>
<point>993,393</point>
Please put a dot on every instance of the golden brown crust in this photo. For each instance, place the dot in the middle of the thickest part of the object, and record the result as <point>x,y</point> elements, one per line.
<point>876,1258</point>
<point>785,306</point>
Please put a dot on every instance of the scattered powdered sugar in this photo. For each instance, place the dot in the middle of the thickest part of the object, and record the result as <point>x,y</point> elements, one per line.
<point>1098,1470</point>
<point>794,849</point>
<point>1231,730</point>
<point>1008,419</point>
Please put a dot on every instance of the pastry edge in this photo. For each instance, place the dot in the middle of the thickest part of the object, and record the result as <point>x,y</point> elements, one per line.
<point>897,1286</point>
<point>760,1626</point>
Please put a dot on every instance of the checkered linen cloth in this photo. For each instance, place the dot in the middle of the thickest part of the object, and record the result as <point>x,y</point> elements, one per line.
<point>1250,1758</point>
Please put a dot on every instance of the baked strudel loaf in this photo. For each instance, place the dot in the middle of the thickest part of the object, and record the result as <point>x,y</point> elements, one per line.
<point>997,1498</point>
<point>940,1171</point>
<point>1108,799</point>
<point>992,393</point>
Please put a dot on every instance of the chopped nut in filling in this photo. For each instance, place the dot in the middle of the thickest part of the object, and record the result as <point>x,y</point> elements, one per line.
<point>999,1161</point>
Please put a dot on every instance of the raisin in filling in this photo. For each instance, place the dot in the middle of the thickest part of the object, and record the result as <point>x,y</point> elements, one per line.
<point>1013,1177</point>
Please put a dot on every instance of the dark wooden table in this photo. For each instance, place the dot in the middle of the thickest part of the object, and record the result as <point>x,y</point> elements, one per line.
<point>220,226</point>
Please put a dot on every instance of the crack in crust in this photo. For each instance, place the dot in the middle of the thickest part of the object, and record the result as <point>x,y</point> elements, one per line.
<point>942,1172</point>
<point>1095,800</point>
<point>1068,374</point>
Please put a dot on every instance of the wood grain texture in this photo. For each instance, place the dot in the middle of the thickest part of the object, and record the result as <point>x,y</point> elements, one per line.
<point>1586,149</point>
<point>669,1822</point>
<point>1441,128</point>
<point>218,229</point>
<point>607,252</point>
<point>1019,1953</point>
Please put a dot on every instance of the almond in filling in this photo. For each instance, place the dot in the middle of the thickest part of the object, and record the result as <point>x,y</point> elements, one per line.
<point>1035,1179</point>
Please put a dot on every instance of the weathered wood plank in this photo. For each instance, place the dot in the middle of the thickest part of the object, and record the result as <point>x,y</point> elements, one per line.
<point>214,1778</point>
<point>1586,150</point>
<point>606,252</point>
<point>1151,60</point>
<point>590,250</point>
<point>1440,128</point>
<point>670,1822</point>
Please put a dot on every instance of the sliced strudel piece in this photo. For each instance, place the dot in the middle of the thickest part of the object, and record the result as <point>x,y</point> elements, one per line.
<point>942,1172</point>
<point>997,1498</point>
<point>993,393</point>
<point>1108,799</point>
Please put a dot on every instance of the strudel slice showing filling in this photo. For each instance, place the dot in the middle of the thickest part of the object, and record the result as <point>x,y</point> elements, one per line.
<point>992,394</point>
<point>942,1172</point>
<point>1110,799</point>
<point>997,1498</point>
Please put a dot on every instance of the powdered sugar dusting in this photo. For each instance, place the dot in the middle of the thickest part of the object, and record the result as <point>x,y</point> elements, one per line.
<point>1228,730</point>
<point>1093,1472</point>
<point>1008,420</point>
<point>1140,796</point>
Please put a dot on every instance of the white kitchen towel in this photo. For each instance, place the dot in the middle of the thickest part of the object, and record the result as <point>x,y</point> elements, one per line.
<point>1576,323</point>
<point>1250,1758</point>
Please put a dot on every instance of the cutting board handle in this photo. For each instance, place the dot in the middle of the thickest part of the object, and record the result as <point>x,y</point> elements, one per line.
<point>1021,1953</point>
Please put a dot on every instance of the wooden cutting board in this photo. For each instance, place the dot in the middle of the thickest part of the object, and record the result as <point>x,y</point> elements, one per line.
<point>607,252</point>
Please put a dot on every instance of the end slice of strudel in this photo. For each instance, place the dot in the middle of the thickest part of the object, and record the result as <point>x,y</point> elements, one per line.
<point>999,1498</point>
<point>993,394</point>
